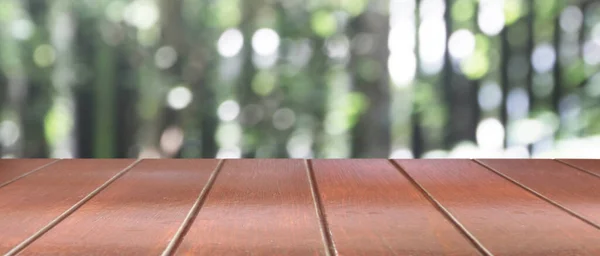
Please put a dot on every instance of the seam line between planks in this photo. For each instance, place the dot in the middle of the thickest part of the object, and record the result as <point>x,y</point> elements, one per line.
<point>330,249</point>
<point>577,167</point>
<point>193,213</point>
<point>548,200</point>
<point>69,211</point>
<point>463,230</point>
<point>28,173</point>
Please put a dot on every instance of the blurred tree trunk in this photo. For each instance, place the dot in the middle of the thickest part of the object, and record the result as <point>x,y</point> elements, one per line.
<point>417,145</point>
<point>36,95</point>
<point>470,132</point>
<point>371,135</point>
<point>172,35</point>
<point>447,78</point>
<point>3,97</point>
<point>199,69</point>
<point>461,94</point>
<point>207,109</point>
<point>84,96</point>
<point>104,100</point>
<point>416,123</point>
<point>126,97</point>
<point>557,73</point>
<point>557,93</point>
<point>530,19</point>
<point>243,89</point>
<point>464,110</point>
<point>504,79</point>
<point>317,100</point>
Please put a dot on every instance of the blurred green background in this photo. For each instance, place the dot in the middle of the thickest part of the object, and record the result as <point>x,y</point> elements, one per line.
<point>292,78</point>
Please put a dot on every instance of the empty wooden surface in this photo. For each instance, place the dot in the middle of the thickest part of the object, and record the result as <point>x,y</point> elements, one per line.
<point>287,207</point>
<point>11,169</point>
<point>372,209</point>
<point>573,189</point>
<point>32,202</point>
<point>137,215</point>
<point>261,207</point>
<point>504,218</point>
<point>588,165</point>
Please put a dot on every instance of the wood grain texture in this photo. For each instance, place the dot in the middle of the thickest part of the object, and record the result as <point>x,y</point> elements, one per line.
<point>33,201</point>
<point>13,168</point>
<point>591,166</point>
<point>505,218</point>
<point>136,215</point>
<point>372,209</point>
<point>571,188</point>
<point>256,207</point>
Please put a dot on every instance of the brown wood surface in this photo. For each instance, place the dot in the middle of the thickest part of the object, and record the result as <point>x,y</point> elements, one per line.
<point>32,202</point>
<point>372,209</point>
<point>586,165</point>
<point>297,207</point>
<point>11,169</point>
<point>136,215</point>
<point>505,219</point>
<point>258,207</point>
<point>575,190</point>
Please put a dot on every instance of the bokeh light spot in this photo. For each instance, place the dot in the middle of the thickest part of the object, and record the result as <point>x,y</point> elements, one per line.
<point>571,19</point>
<point>165,57</point>
<point>171,140</point>
<point>283,119</point>
<point>22,29</point>
<point>179,97</point>
<point>491,17</point>
<point>228,110</point>
<point>263,83</point>
<point>489,96</point>
<point>402,68</point>
<point>230,43</point>
<point>9,133</point>
<point>143,14</point>
<point>44,55</point>
<point>476,66</point>
<point>461,44</point>
<point>543,58</point>
<point>265,41</point>
<point>490,134</point>
<point>323,23</point>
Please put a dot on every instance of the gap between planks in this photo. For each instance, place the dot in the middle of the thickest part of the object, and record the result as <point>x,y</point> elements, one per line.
<point>463,230</point>
<point>69,211</point>
<point>28,173</point>
<point>577,168</point>
<point>330,249</point>
<point>193,213</point>
<point>548,200</point>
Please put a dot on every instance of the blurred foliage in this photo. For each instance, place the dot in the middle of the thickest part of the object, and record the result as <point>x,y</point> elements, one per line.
<point>290,78</point>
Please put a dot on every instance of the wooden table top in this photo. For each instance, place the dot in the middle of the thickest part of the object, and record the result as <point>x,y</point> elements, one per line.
<point>299,207</point>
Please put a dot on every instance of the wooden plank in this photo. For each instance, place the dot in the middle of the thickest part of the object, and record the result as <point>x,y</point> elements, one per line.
<point>31,203</point>
<point>572,189</point>
<point>12,169</point>
<point>591,166</point>
<point>372,209</point>
<point>259,207</point>
<point>503,217</point>
<point>137,215</point>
